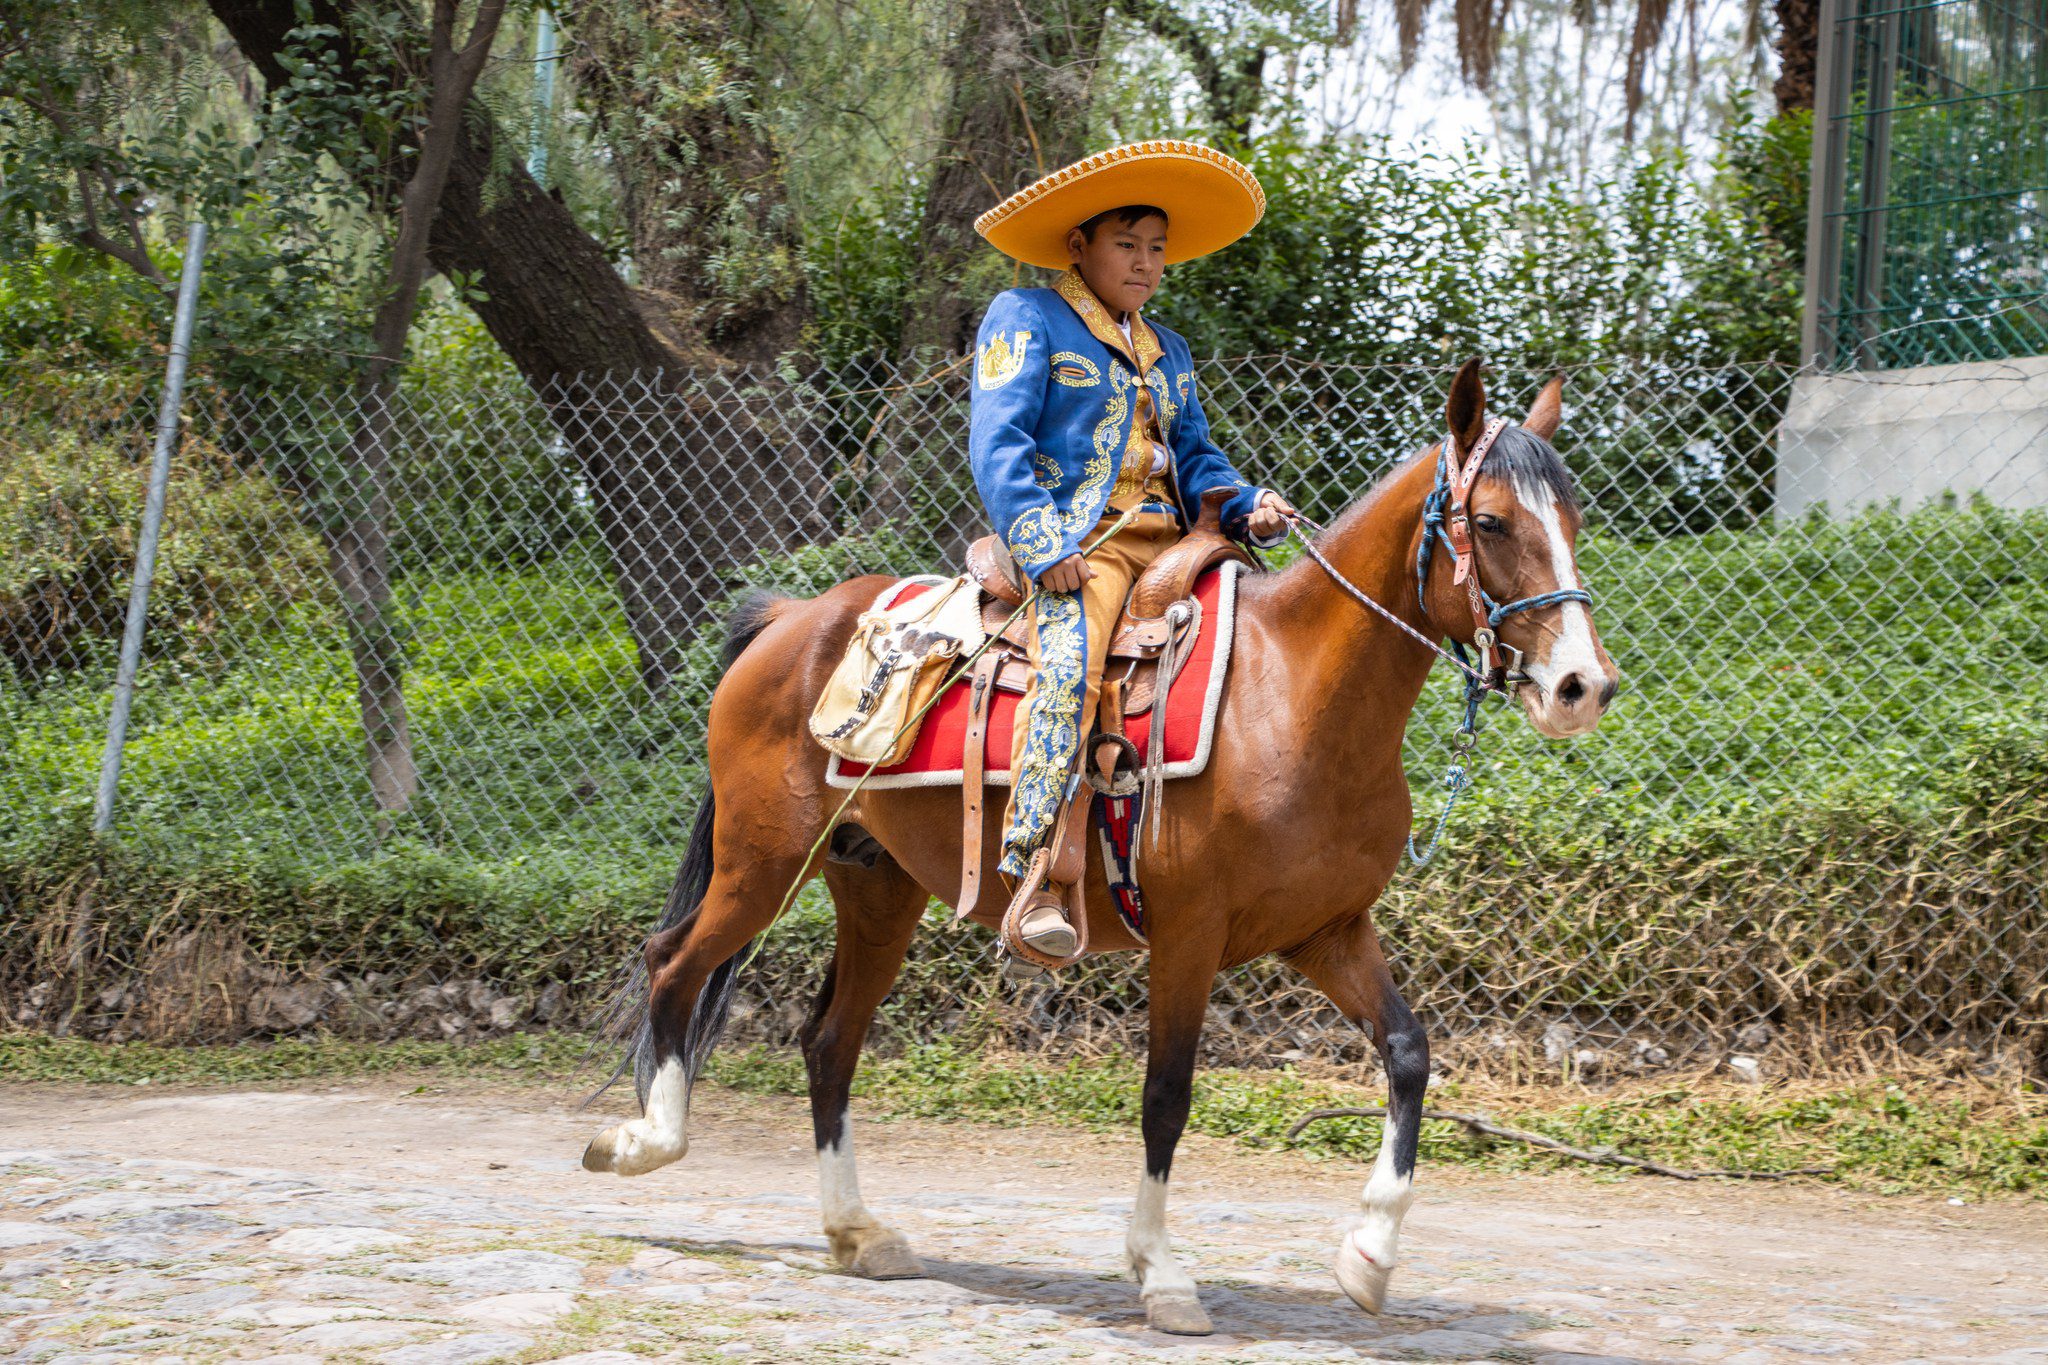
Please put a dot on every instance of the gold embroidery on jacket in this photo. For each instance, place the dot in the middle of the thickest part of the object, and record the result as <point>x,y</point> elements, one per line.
<point>1144,341</point>
<point>1149,349</point>
<point>1168,409</point>
<point>1075,370</point>
<point>1035,535</point>
<point>1102,465</point>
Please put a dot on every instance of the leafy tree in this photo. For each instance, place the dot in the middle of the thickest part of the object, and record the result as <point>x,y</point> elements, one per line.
<point>98,156</point>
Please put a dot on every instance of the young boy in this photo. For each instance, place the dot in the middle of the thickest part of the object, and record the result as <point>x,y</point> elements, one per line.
<point>1083,412</point>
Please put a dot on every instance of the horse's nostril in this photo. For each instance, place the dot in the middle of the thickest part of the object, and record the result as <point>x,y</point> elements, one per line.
<point>1607,692</point>
<point>1571,690</point>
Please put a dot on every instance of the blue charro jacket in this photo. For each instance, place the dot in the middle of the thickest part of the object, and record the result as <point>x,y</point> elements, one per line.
<point>1051,416</point>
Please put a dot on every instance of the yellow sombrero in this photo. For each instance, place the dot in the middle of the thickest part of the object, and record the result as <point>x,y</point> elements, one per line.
<point>1210,201</point>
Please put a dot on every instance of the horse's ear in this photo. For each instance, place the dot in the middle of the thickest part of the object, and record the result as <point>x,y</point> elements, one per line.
<point>1467,408</point>
<point>1548,410</point>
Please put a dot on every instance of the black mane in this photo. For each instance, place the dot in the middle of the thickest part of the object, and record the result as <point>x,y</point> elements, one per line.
<point>1522,457</point>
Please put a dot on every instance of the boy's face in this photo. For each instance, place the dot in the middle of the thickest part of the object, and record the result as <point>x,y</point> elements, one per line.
<point>1124,263</point>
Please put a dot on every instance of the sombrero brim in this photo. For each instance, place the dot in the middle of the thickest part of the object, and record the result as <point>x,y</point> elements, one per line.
<point>1210,201</point>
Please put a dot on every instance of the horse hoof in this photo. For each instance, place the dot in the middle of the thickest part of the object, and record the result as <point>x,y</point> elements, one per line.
<point>630,1148</point>
<point>1177,1311</point>
<point>889,1258</point>
<point>876,1253</point>
<point>1361,1277</point>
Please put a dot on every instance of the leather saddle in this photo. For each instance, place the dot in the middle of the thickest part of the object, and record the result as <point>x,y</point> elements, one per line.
<point>1139,643</point>
<point>1150,644</point>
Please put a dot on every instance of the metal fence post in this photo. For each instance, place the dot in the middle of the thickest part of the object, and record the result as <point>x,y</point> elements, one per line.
<point>152,525</point>
<point>1823,191</point>
<point>545,54</point>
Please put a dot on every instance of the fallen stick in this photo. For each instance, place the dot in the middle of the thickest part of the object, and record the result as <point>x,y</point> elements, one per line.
<point>1602,1156</point>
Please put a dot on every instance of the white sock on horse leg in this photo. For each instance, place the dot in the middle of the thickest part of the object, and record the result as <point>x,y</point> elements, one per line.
<point>1149,1246</point>
<point>839,1200</point>
<point>1366,1259</point>
<point>1386,1200</point>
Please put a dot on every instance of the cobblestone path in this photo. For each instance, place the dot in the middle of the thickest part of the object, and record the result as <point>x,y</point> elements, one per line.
<point>373,1222</point>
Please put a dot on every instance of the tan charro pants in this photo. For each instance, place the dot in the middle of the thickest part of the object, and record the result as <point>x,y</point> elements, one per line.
<point>1069,646</point>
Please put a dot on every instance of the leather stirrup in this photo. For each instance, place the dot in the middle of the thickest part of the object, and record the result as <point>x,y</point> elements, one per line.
<point>1064,853</point>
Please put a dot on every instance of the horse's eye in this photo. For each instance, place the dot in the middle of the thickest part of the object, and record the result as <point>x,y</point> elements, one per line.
<point>1492,526</point>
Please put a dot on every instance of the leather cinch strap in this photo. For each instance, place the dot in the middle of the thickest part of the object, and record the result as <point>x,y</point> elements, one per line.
<point>973,767</point>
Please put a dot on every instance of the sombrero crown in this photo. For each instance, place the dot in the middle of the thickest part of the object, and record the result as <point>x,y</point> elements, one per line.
<point>1210,201</point>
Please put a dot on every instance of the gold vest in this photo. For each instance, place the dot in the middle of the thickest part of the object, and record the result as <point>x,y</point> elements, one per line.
<point>1135,483</point>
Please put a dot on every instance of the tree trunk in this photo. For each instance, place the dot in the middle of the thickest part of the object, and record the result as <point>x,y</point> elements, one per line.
<point>1023,74</point>
<point>714,235</point>
<point>675,505</point>
<point>358,552</point>
<point>1799,39</point>
<point>361,551</point>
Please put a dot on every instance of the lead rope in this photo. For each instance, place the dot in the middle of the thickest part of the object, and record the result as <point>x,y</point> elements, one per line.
<point>1478,684</point>
<point>1456,780</point>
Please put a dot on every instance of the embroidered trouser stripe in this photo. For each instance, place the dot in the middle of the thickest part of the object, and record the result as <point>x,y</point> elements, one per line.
<point>1070,641</point>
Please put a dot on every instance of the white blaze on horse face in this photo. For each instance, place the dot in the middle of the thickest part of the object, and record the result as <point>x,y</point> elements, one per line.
<point>1573,650</point>
<point>1366,1259</point>
<point>1149,1247</point>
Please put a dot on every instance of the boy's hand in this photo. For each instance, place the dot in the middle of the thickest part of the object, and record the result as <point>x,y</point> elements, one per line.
<point>1269,518</point>
<point>1067,575</point>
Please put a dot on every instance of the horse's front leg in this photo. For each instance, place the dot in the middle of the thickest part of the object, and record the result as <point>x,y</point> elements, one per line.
<point>1180,978</point>
<point>1346,963</point>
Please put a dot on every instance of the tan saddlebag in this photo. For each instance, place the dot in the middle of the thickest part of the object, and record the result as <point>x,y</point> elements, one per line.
<point>898,660</point>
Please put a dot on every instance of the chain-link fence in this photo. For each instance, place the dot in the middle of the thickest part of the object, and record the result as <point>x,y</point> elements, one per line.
<point>1819,801</point>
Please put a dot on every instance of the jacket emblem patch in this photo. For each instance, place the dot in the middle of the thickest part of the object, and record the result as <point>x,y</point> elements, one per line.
<point>1002,358</point>
<point>1076,371</point>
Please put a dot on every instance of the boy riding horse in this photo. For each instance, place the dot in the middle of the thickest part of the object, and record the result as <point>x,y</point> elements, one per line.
<point>1086,427</point>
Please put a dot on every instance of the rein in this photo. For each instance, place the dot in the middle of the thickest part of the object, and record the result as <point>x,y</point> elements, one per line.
<point>1446,519</point>
<point>1477,685</point>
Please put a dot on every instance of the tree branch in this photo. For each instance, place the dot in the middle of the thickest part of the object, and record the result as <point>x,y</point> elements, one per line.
<point>1599,1156</point>
<point>135,256</point>
<point>1223,88</point>
<point>452,75</point>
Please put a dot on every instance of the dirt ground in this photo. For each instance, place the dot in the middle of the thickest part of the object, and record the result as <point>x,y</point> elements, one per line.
<point>442,1222</point>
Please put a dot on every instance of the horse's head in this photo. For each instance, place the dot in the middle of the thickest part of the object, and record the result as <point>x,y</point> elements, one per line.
<point>1521,524</point>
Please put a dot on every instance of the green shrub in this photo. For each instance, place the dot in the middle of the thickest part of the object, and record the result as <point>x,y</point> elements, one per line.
<point>70,513</point>
<point>1761,825</point>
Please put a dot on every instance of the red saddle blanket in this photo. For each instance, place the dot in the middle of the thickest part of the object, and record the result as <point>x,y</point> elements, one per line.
<point>935,756</point>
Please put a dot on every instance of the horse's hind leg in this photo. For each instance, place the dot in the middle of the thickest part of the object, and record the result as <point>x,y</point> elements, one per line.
<point>692,966</point>
<point>1346,963</point>
<point>879,909</point>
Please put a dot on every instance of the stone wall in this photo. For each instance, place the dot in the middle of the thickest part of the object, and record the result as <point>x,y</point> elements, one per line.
<point>1856,439</point>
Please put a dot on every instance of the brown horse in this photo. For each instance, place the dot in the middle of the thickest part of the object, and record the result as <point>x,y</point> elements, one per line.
<point>1280,846</point>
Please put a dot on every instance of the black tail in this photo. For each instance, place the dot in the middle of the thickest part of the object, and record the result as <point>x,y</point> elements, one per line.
<point>693,878</point>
